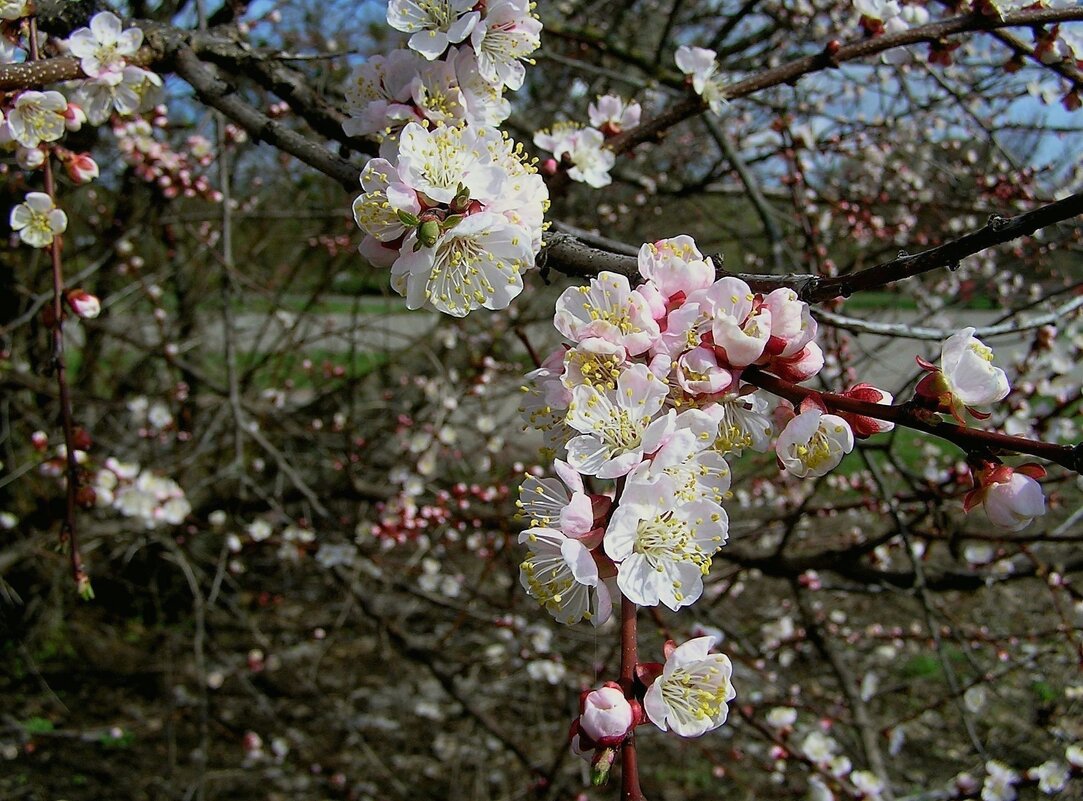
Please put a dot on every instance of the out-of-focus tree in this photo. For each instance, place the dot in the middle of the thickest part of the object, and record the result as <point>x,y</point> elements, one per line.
<point>293,499</point>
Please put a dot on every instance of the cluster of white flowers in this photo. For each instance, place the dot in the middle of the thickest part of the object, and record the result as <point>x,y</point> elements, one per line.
<point>649,392</point>
<point>137,492</point>
<point>32,121</point>
<point>452,206</point>
<point>583,148</point>
<point>701,67</point>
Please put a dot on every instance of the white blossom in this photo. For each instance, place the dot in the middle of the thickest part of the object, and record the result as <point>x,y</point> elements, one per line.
<point>478,263</point>
<point>615,426</point>
<point>608,309</point>
<point>813,443</point>
<point>99,98</point>
<point>967,365</point>
<point>690,697</point>
<point>563,504</point>
<point>503,39</point>
<point>611,113</point>
<point>1052,776</point>
<point>37,220</point>
<point>867,783</point>
<point>780,717</point>
<point>1000,781</point>
<point>663,546</point>
<point>818,747</point>
<point>433,23</point>
<point>1013,504</point>
<point>37,117</point>
<point>561,575</point>
<point>103,47</point>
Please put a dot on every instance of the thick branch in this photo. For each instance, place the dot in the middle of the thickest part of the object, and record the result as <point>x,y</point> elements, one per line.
<point>998,231</point>
<point>220,95</point>
<point>572,257</point>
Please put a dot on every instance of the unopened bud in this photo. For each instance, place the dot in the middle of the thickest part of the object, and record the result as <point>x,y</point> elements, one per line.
<point>82,586</point>
<point>73,117</point>
<point>40,440</point>
<point>81,439</point>
<point>83,303</point>
<point>86,497</point>
<point>601,765</point>
<point>428,232</point>
<point>30,158</point>
<point>81,168</point>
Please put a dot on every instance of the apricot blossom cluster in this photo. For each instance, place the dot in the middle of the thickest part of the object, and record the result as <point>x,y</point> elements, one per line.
<point>452,206</point>
<point>649,393</point>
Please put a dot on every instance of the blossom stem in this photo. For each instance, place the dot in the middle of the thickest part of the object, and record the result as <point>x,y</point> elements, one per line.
<point>629,774</point>
<point>68,530</point>
<point>969,439</point>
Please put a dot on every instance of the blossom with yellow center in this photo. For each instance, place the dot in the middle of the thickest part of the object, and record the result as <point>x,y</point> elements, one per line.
<point>691,696</point>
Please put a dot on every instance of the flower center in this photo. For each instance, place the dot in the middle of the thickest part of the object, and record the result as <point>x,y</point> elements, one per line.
<point>696,691</point>
<point>816,452</point>
<point>982,351</point>
<point>666,538</point>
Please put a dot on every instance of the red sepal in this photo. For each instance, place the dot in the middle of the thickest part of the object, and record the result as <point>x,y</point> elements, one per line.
<point>647,672</point>
<point>812,402</point>
<point>1035,471</point>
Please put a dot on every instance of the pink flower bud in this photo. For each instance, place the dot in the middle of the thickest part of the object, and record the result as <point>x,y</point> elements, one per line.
<point>862,425</point>
<point>607,716</point>
<point>81,168</point>
<point>73,117</point>
<point>799,367</point>
<point>1012,498</point>
<point>83,304</point>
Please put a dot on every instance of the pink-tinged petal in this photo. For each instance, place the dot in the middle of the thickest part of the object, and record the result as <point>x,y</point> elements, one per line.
<point>577,518</point>
<point>571,477</point>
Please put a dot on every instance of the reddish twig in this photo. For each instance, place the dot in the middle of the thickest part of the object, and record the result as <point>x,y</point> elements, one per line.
<point>68,530</point>
<point>969,439</point>
<point>629,758</point>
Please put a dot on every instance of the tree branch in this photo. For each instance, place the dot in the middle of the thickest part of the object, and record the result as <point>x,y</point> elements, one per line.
<point>220,95</point>
<point>793,71</point>
<point>969,439</point>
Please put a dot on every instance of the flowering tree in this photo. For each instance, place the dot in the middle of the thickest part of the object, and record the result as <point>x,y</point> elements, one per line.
<point>692,415</point>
